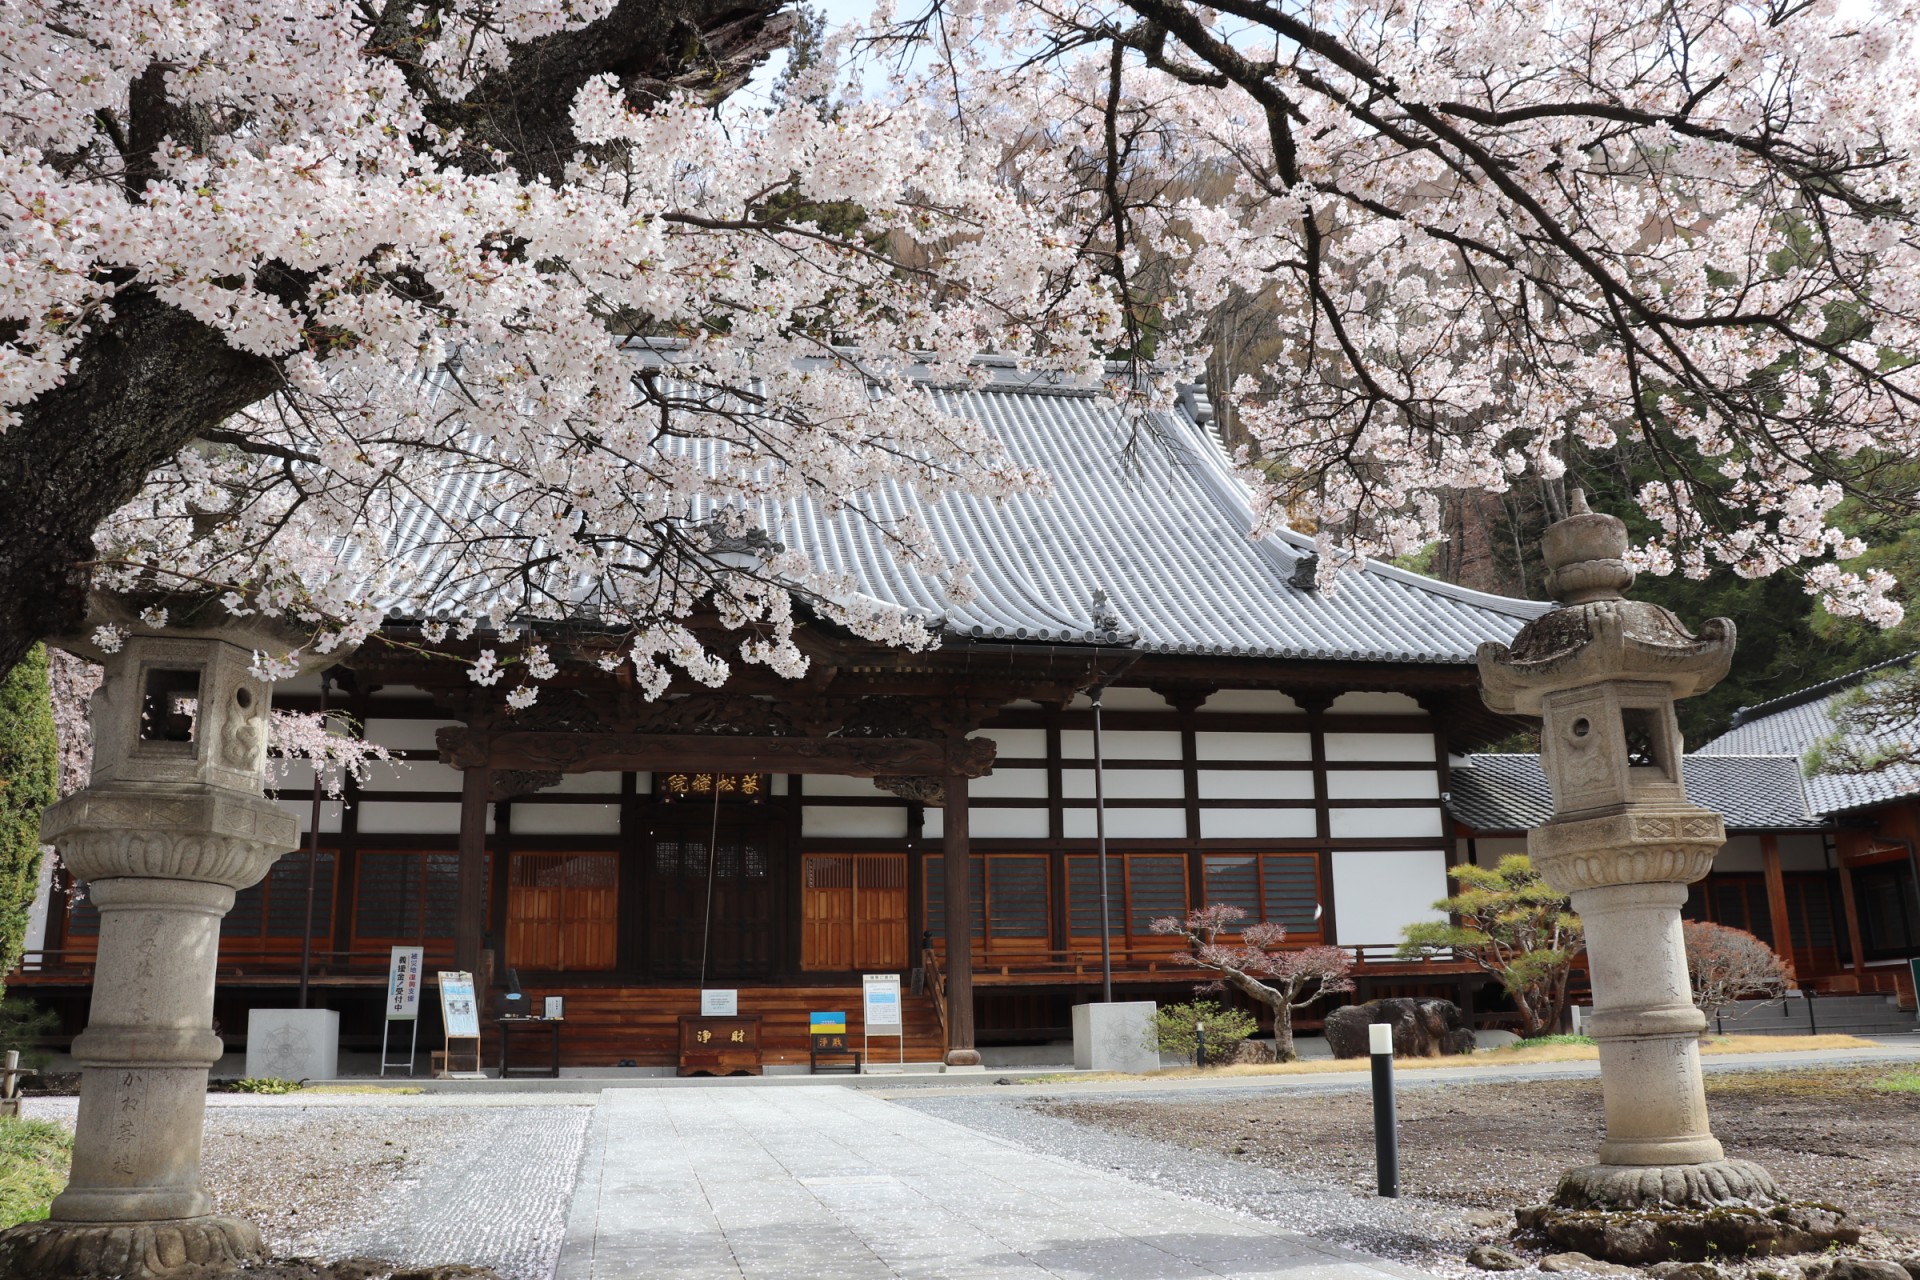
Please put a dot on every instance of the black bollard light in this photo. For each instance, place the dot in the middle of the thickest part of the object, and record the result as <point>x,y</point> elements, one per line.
<point>1200,1044</point>
<point>1386,1135</point>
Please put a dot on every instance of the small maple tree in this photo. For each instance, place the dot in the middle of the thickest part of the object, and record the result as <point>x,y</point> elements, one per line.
<point>1258,966</point>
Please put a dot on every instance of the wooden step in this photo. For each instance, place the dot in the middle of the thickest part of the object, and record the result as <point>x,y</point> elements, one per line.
<point>608,1025</point>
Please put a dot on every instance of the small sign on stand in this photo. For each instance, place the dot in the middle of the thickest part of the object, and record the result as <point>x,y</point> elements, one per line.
<point>882,1014</point>
<point>460,1015</point>
<point>403,1001</point>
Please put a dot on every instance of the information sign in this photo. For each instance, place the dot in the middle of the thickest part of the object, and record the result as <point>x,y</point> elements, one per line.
<point>555,1006</point>
<point>403,983</point>
<point>720,1004</point>
<point>882,993</point>
<point>458,1010</point>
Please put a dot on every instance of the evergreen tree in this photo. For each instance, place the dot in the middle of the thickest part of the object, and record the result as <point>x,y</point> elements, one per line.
<point>28,771</point>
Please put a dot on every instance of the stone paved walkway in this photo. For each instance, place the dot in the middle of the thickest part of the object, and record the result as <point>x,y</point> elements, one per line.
<point>833,1183</point>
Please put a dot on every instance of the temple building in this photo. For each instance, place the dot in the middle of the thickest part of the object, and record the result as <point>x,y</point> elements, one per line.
<point>1262,741</point>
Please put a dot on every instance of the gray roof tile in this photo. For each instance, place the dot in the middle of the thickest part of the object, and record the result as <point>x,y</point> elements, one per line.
<point>1495,792</point>
<point>1151,514</point>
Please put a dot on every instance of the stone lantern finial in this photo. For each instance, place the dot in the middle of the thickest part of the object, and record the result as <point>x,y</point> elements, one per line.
<point>1603,673</point>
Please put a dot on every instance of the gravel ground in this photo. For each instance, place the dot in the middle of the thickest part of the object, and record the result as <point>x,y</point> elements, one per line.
<point>1470,1154</point>
<point>415,1181</point>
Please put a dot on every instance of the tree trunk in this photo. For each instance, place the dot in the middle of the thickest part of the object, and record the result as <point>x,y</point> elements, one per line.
<point>1283,1050</point>
<point>144,385</point>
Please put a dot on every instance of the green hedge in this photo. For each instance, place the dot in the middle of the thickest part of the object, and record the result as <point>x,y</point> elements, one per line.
<point>29,772</point>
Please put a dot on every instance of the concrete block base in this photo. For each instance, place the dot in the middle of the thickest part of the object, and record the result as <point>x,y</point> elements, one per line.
<point>293,1044</point>
<point>1115,1037</point>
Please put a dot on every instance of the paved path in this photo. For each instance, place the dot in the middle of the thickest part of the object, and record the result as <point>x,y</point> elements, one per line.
<point>796,1183</point>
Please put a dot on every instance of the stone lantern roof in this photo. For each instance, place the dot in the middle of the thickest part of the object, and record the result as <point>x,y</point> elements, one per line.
<point>1597,633</point>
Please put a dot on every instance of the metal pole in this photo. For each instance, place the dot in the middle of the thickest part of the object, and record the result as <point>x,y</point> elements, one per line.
<point>1386,1134</point>
<point>1100,839</point>
<point>313,864</point>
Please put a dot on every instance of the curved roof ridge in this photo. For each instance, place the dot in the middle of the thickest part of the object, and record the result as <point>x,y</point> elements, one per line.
<point>1814,692</point>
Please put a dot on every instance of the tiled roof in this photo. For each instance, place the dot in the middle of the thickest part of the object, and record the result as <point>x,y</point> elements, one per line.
<point>1751,792</point>
<point>1790,725</point>
<point>1155,518</point>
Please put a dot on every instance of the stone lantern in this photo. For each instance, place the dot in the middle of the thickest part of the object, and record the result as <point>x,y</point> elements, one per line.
<point>172,822</point>
<point>1603,672</point>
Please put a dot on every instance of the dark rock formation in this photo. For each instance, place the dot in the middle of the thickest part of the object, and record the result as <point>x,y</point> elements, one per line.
<point>1421,1028</point>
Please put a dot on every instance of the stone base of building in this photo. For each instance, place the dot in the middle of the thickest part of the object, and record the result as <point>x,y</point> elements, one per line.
<point>1682,1213</point>
<point>209,1248</point>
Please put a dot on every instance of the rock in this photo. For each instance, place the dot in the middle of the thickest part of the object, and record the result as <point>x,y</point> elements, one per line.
<point>1491,1257</point>
<point>1648,1236</point>
<point>1485,1219</point>
<point>1421,1028</point>
<point>1253,1053</point>
<point>1686,1271</point>
<point>1583,1265</point>
<point>1866,1269</point>
<point>1912,1265</point>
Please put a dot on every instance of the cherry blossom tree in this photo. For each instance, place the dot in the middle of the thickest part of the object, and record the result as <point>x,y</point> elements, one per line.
<point>1489,234</point>
<point>285,276</point>
<point>1254,961</point>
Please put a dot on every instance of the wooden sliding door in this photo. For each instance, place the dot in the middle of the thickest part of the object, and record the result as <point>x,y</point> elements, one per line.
<point>853,911</point>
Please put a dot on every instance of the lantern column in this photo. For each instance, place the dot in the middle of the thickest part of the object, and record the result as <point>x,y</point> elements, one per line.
<point>172,822</point>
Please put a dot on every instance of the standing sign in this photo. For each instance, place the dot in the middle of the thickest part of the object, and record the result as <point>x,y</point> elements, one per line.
<point>460,1015</point>
<point>882,1012</point>
<point>404,971</point>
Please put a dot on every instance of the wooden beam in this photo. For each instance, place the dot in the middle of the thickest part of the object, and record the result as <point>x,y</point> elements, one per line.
<point>1852,911</point>
<point>957,866</point>
<point>563,752</point>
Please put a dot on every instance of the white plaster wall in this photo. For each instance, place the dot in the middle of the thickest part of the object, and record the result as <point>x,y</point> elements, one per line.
<point>42,896</point>
<point>411,775</point>
<point>854,822</point>
<point>302,811</point>
<point>1803,853</point>
<point>1376,894</point>
<point>588,784</point>
<point>1255,784</point>
<point>386,692</point>
<point>531,819</point>
<point>406,735</point>
<point>1126,824</point>
<point>1017,744</point>
<point>835,784</point>
<point>411,817</point>
<point>1257,824</point>
<point>1127,784</point>
<point>1384,824</point>
<point>1384,784</point>
<point>1250,702</point>
<point>1028,784</point>
<point>1380,746</point>
<point>999,824</point>
<point>1214,744</point>
<point>1739,853</point>
<point>1122,700</point>
<point>1122,744</point>
<point>1494,848</point>
<point>1375,704</point>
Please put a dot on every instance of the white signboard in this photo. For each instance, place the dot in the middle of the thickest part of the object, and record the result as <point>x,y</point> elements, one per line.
<point>555,1008</point>
<point>403,983</point>
<point>458,1009</point>
<point>882,992</point>
<point>719,1004</point>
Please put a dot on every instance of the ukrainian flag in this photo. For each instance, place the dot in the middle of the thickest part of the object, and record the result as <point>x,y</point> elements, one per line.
<point>827,1024</point>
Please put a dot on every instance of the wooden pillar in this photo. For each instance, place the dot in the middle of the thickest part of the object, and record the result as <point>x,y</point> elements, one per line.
<point>1776,896</point>
<point>1852,911</point>
<point>470,920</point>
<point>956,866</point>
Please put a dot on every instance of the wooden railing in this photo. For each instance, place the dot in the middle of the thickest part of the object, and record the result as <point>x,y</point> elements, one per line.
<point>937,988</point>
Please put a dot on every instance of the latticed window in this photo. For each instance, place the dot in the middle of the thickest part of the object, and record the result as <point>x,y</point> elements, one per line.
<point>1281,887</point>
<point>1007,900</point>
<point>405,896</point>
<point>1141,888</point>
<point>272,908</point>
